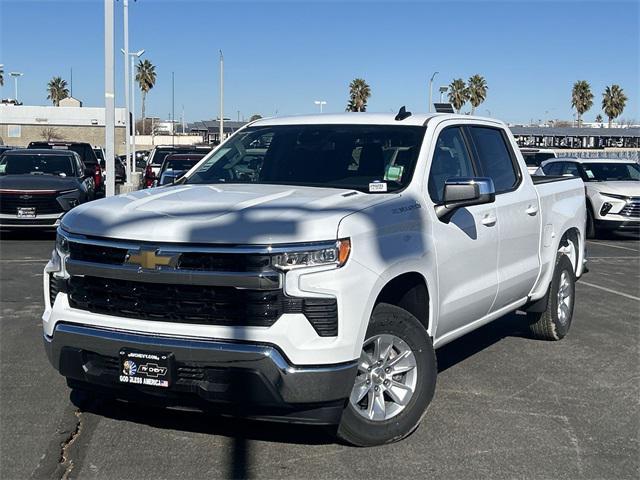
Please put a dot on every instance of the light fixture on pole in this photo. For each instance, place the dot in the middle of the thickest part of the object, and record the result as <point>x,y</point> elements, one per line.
<point>443,89</point>
<point>15,76</point>
<point>321,103</point>
<point>431,88</point>
<point>131,166</point>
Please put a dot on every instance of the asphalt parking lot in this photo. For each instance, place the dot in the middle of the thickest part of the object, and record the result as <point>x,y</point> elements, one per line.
<point>506,406</point>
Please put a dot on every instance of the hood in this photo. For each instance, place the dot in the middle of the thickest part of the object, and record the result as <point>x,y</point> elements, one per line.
<point>222,214</point>
<point>629,188</point>
<point>37,182</point>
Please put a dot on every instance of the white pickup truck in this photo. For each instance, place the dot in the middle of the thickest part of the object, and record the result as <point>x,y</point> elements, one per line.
<point>307,269</point>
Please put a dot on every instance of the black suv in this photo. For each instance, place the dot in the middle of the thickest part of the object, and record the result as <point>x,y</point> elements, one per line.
<point>37,187</point>
<point>87,155</point>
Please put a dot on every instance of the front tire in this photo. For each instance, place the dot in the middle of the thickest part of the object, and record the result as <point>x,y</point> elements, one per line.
<point>555,321</point>
<point>395,382</point>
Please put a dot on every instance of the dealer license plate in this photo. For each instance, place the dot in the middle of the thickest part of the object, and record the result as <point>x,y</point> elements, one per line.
<point>145,368</point>
<point>26,212</point>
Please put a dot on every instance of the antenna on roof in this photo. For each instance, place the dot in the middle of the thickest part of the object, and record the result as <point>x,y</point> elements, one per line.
<point>443,107</point>
<point>402,114</point>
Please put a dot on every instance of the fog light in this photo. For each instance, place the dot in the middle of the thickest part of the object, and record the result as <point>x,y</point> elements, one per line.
<point>606,206</point>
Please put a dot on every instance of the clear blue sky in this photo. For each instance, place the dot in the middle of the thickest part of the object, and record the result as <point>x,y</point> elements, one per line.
<point>284,55</point>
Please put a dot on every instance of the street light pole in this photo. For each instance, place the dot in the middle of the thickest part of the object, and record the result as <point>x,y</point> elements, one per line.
<point>109,99</point>
<point>431,89</point>
<point>131,167</point>
<point>125,50</point>
<point>15,76</point>
<point>443,89</point>
<point>221,134</point>
<point>321,103</point>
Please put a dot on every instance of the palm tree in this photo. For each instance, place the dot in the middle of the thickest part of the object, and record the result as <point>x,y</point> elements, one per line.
<point>613,102</point>
<point>458,94</point>
<point>359,93</point>
<point>146,78</point>
<point>57,88</point>
<point>1,75</point>
<point>477,91</point>
<point>581,98</point>
<point>598,118</point>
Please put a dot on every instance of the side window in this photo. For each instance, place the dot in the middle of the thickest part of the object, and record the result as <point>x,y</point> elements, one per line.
<point>494,157</point>
<point>450,159</point>
<point>553,168</point>
<point>570,168</point>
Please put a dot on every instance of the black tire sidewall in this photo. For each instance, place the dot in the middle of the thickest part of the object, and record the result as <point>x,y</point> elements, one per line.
<point>591,223</point>
<point>393,320</point>
<point>563,264</point>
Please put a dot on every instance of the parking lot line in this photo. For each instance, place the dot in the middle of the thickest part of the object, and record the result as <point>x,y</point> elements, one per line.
<point>615,246</point>
<point>626,295</point>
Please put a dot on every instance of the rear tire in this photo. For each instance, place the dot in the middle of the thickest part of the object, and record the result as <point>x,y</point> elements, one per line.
<point>395,383</point>
<point>555,321</point>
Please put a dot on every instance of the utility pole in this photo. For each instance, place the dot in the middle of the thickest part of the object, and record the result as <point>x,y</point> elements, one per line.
<point>431,90</point>
<point>109,99</point>
<point>16,76</point>
<point>221,134</point>
<point>173,109</point>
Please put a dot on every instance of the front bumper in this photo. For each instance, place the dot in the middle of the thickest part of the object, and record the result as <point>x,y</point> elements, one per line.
<point>618,224</point>
<point>246,379</point>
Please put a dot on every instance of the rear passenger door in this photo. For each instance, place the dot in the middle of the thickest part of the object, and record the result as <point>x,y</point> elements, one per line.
<point>518,218</point>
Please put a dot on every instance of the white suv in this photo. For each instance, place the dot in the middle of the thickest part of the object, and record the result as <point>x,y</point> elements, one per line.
<point>612,187</point>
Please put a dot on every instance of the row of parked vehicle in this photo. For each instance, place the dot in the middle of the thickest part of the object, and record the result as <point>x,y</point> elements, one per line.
<point>42,182</point>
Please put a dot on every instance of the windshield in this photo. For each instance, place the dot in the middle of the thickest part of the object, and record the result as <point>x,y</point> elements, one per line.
<point>369,158</point>
<point>160,154</point>
<point>36,165</point>
<point>610,172</point>
<point>179,164</point>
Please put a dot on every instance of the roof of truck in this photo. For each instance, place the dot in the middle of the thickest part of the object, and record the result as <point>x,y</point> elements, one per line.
<point>362,118</point>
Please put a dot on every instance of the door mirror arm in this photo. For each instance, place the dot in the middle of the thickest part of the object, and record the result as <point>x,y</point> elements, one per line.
<point>460,192</point>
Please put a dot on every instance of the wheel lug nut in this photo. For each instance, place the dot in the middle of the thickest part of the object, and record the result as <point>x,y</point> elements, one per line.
<point>379,362</point>
<point>387,370</point>
<point>386,383</point>
<point>377,388</point>
<point>368,381</point>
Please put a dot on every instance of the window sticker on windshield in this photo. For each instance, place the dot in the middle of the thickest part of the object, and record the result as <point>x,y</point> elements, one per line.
<point>589,173</point>
<point>378,186</point>
<point>394,173</point>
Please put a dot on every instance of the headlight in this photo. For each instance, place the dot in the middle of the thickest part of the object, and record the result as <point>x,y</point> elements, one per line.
<point>330,253</point>
<point>62,244</point>
<point>619,197</point>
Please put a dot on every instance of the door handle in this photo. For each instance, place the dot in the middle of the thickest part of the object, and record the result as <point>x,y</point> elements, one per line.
<point>489,220</point>
<point>532,210</point>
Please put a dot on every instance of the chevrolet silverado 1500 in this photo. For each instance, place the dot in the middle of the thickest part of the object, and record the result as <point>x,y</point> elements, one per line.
<point>308,267</point>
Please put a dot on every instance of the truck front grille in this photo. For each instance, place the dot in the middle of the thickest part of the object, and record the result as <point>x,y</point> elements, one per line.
<point>207,305</point>
<point>43,203</point>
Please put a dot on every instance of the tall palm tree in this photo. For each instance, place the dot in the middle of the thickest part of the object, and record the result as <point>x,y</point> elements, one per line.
<point>581,98</point>
<point>359,93</point>
<point>458,94</point>
<point>57,88</point>
<point>477,91</point>
<point>613,102</point>
<point>1,75</point>
<point>146,78</point>
<point>598,118</point>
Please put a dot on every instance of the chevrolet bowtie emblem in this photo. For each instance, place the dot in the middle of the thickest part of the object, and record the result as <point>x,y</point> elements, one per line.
<point>148,259</point>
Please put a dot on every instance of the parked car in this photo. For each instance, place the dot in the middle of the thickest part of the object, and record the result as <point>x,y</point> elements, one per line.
<point>118,165</point>
<point>612,187</point>
<point>87,155</point>
<point>6,148</point>
<point>533,157</point>
<point>157,156</point>
<point>317,289</point>
<point>177,164</point>
<point>37,187</point>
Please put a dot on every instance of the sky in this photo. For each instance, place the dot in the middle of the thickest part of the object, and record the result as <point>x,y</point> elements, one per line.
<point>282,56</point>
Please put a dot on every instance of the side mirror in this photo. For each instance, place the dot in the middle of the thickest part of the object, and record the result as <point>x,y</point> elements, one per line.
<point>462,192</point>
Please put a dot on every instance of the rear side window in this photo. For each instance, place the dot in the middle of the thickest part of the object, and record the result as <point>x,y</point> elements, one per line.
<point>495,157</point>
<point>553,168</point>
<point>450,160</point>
